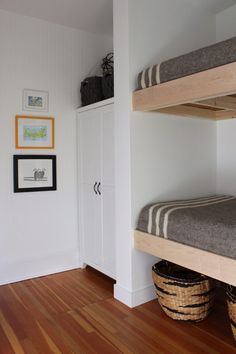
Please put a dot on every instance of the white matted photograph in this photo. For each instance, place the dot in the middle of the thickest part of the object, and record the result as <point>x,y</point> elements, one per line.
<point>34,173</point>
<point>35,100</point>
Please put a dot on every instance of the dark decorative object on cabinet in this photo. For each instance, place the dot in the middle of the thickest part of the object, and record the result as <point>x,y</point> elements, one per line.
<point>108,86</point>
<point>98,88</point>
<point>107,64</point>
<point>108,77</point>
<point>91,90</point>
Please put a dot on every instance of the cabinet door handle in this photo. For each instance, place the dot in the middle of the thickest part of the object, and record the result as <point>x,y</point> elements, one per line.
<point>94,188</point>
<point>99,192</point>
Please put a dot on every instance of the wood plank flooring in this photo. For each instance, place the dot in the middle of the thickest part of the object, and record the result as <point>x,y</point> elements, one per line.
<point>74,312</point>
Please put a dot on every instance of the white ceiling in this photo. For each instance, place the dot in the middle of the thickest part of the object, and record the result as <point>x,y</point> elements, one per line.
<point>89,15</point>
<point>213,6</point>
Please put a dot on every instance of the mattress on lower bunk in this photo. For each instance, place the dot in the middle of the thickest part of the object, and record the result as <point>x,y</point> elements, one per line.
<point>207,223</point>
<point>199,60</point>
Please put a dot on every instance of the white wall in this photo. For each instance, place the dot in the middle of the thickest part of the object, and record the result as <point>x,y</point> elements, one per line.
<point>226,157</point>
<point>38,231</point>
<point>170,157</point>
<point>226,130</point>
<point>225,24</point>
<point>122,152</point>
<point>168,162</point>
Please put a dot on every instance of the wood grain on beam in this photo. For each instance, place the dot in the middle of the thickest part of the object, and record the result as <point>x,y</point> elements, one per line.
<point>188,111</point>
<point>226,102</point>
<point>221,115</point>
<point>210,264</point>
<point>216,82</point>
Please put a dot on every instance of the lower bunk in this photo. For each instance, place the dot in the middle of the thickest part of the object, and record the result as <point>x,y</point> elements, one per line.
<point>198,234</point>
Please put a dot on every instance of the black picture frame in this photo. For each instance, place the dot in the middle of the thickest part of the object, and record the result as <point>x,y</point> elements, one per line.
<point>38,175</point>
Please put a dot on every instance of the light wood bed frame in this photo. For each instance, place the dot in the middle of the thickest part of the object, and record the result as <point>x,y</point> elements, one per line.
<point>209,94</point>
<point>207,263</point>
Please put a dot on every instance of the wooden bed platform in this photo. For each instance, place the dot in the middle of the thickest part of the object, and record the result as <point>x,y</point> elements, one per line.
<point>208,94</point>
<point>210,264</point>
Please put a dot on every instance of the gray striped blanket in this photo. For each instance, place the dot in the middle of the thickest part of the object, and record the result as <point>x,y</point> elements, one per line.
<point>199,60</point>
<point>207,223</point>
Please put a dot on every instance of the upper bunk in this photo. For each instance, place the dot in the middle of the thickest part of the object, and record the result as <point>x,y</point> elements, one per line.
<point>201,84</point>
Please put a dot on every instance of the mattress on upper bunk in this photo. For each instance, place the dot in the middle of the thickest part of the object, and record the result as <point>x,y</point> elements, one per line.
<point>207,223</point>
<point>199,60</point>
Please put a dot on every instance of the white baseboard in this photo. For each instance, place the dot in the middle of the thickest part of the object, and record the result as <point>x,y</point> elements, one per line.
<point>134,298</point>
<point>35,275</point>
<point>23,270</point>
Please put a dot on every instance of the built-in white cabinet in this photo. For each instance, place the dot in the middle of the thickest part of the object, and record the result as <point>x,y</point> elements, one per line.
<point>97,186</point>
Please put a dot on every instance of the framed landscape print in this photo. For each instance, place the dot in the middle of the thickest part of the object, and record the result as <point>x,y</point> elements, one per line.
<point>34,173</point>
<point>34,100</point>
<point>34,132</point>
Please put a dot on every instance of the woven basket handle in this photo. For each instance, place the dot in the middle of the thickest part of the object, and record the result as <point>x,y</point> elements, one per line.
<point>84,83</point>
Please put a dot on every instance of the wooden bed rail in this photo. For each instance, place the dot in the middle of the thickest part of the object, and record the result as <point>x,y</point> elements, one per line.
<point>210,264</point>
<point>209,94</point>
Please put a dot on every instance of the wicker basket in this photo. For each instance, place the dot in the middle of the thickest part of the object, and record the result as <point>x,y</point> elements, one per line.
<point>183,294</point>
<point>91,90</point>
<point>231,301</point>
<point>108,86</point>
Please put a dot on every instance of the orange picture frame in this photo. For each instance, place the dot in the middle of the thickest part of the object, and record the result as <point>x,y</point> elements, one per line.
<point>33,132</point>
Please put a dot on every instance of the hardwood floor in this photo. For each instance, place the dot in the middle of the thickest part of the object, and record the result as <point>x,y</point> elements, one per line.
<point>74,312</point>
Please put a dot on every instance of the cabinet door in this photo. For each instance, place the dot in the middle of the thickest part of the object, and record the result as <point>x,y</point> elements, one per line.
<point>108,147</point>
<point>108,216</point>
<point>90,146</point>
<point>92,226</point>
<point>97,212</point>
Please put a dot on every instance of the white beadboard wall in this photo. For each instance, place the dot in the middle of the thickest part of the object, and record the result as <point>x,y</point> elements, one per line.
<point>226,130</point>
<point>158,156</point>
<point>172,157</point>
<point>225,24</point>
<point>38,231</point>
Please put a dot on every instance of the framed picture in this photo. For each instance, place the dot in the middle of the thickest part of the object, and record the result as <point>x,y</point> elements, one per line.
<point>34,173</point>
<point>34,132</point>
<point>34,100</point>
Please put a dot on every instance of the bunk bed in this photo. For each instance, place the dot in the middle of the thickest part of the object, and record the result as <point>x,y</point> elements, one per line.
<point>198,234</point>
<point>206,90</point>
<point>201,84</point>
